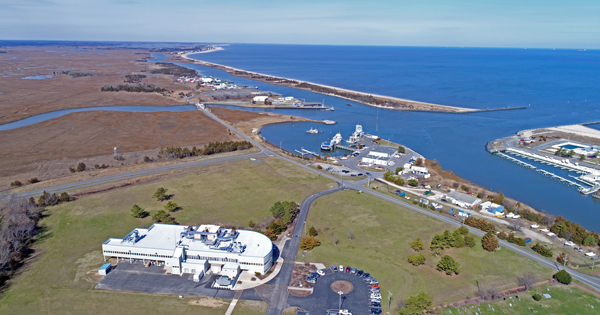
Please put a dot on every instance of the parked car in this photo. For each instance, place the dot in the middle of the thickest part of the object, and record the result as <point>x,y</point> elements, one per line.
<point>375,286</point>
<point>311,280</point>
<point>359,273</point>
<point>347,269</point>
<point>321,272</point>
<point>374,281</point>
<point>315,275</point>
<point>366,275</point>
<point>375,311</point>
<point>345,312</point>
<point>333,267</point>
<point>375,300</point>
<point>376,296</point>
<point>375,291</point>
<point>375,304</point>
<point>341,268</point>
<point>353,270</point>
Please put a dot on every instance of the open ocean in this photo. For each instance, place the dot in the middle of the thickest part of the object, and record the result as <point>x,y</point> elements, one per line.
<point>559,87</point>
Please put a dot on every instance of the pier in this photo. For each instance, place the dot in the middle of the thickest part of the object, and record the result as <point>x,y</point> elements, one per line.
<point>343,147</point>
<point>556,163</point>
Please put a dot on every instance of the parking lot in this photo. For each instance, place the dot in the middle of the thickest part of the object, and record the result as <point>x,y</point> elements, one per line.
<point>324,298</point>
<point>137,278</point>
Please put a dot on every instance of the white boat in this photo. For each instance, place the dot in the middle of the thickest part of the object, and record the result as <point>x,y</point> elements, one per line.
<point>337,139</point>
<point>326,146</point>
<point>356,135</point>
<point>315,130</point>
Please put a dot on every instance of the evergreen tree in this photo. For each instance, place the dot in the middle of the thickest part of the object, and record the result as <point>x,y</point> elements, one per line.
<point>448,265</point>
<point>489,242</point>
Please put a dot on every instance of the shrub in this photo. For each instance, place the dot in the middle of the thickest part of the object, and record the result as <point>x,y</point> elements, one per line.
<point>80,167</point>
<point>161,194</point>
<point>542,250</point>
<point>417,244</point>
<point>138,212</point>
<point>171,206</point>
<point>563,277</point>
<point>515,240</point>
<point>277,226</point>
<point>413,182</point>
<point>469,241</point>
<point>489,242</point>
<point>416,304</point>
<point>481,224</point>
<point>64,197</point>
<point>309,243</point>
<point>251,224</point>
<point>312,231</point>
<point>162,216</point>
<point>16,183</point>
<point>448,265</point>
<point>401,149</point>
<point>537,297</point>
<point>33,180</point>
<point>502,235</point>
<point>462,230</point>
<point>417,259</point>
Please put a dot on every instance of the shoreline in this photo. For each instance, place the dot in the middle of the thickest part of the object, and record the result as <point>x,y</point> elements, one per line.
<point>375,100</point>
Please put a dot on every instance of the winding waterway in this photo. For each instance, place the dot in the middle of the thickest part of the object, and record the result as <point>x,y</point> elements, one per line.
<point>561,87</point>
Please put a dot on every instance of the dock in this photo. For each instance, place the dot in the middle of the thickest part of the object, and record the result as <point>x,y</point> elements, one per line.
<point>555,163</point>
<point>343,147</point>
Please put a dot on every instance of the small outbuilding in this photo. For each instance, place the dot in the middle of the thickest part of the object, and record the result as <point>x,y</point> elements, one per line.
<point>105,269</point>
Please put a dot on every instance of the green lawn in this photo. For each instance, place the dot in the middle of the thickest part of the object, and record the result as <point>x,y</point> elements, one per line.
<point>382,236</point>
<point>60,277</point>
<point>564,300</point>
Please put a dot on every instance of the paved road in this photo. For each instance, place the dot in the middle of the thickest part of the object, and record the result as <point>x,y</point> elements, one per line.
<point>134,174</point>
<point>289,250</point>
<point>277,292</point>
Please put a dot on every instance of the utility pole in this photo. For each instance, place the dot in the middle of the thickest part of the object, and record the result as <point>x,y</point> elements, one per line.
<point>340,293</point>
<point>565,260</point>
<point>389,300</point>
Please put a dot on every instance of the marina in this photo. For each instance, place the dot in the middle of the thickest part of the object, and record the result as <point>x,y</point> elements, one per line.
<point>590,184</point>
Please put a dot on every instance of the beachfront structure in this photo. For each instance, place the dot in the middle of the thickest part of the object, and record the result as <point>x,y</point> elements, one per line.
<point>194,249</point>
<point>462,200</point>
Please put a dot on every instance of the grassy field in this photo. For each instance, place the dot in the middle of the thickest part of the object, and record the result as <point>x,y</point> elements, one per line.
<point>61,275</point>
<point>382,236</point>
<point>564,300</point>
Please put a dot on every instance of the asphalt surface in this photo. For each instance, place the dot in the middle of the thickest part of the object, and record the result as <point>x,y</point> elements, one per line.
<point>271,292</point>
<point>324,298</point>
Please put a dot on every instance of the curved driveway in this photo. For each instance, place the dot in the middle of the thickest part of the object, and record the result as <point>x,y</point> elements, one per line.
<point>290,251</point>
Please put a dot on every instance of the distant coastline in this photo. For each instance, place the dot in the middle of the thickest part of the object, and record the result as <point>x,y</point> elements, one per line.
<point>375,100</point>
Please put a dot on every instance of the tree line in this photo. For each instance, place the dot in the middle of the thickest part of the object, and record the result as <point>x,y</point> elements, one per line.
<point>211,148</point>
<point>173,69</point>
<point>146,88</point>
<point>134,78</point>
<point>19,219</point>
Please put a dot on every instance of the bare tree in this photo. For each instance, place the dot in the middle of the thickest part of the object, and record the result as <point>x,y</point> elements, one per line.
<point>335,240</point>
<point>493,293</point>
<point>567,235</point>
<point>526,280</point>
<point>549,220</point>
<point>350,234</point>
<point>516,225</point>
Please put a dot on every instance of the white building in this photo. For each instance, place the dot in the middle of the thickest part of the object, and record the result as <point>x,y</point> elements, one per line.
<point>381,156</point>
<point>259,99</point>
<point>190,249</point>
<point>462,200</point>
<point>207,80</point>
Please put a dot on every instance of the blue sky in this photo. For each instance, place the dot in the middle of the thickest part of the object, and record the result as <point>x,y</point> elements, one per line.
<point>482,23</point>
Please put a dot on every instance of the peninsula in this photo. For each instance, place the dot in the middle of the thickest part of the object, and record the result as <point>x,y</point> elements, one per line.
<point>381,101</point>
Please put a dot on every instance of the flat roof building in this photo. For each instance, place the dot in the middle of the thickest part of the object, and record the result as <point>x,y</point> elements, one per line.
<point>191,249</point>
<point>463,200</point>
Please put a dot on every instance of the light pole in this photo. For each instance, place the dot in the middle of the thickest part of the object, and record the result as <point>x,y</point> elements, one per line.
<point>565,260</point>
<point>389,300</point>
<point>340,293</point>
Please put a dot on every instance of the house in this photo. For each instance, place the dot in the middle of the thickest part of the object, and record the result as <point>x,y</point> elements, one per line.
<point>462,200</point>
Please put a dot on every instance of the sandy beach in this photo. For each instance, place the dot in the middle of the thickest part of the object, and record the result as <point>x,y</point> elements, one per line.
<point>387,102</point>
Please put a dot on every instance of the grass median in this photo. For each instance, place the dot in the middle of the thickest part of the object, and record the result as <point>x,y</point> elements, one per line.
<point>382,235</point>
<point>60,276</point>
